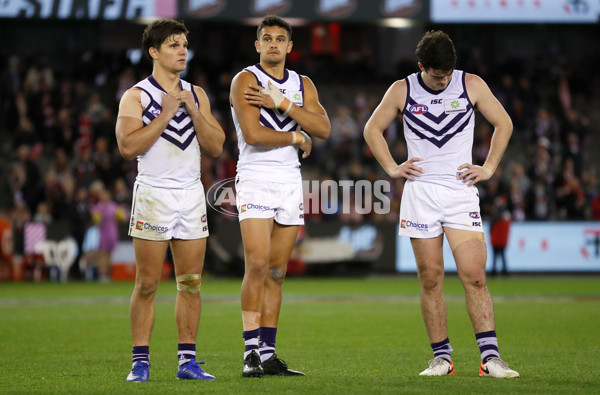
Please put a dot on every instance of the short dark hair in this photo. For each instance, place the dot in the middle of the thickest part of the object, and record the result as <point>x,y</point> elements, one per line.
<point>159,31</point>
<point>274,20</point>
<point>436,51</point>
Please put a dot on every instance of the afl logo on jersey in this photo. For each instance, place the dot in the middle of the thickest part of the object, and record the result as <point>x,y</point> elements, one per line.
<point>418,109</point>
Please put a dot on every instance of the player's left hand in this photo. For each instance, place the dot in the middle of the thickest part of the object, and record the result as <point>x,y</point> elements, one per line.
<point>186,98</point>
<point>473,173</point>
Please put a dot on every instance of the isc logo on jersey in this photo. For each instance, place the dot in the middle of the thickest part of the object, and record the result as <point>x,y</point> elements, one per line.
<point>418,109</point>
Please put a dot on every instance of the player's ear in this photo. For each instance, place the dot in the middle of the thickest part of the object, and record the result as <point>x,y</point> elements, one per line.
<point>256,46</point>
<point>290,45</point>
<point>421,67</point>
<point>153,53</point>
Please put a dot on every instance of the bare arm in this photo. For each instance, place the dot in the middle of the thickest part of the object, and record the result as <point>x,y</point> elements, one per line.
<point>208,131</point>
<point>384,114</point>
<point>312,117</point>
<point>248,115</point>
<point>482,97</point>
<point>133,138</point>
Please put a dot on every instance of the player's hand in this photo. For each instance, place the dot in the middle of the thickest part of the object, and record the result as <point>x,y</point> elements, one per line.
<point>187,99</point>
<point>407,170</point>
<point>473,173</point>
<point>170,104</point>
<point>305,145</point>
<point>270,97</point>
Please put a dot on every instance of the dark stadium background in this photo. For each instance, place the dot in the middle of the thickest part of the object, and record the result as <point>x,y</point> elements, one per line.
<point>61,78</point>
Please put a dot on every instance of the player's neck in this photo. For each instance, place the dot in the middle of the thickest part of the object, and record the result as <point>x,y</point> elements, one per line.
<point>274,70</point>
<point>168,80</point>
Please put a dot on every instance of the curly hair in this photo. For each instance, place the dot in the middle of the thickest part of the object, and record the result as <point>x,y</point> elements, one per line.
<point>436,51</point>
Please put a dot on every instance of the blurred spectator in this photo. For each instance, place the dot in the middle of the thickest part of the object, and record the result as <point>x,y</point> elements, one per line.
<point>106,213</point>
<point>499,232</point>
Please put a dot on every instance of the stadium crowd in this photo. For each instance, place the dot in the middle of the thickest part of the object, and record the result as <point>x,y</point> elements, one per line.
<point>60,153</point>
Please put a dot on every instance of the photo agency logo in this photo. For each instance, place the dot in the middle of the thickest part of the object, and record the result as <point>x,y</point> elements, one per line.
<point>326,197</point>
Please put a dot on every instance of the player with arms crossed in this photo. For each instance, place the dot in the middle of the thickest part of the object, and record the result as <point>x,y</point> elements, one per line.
<point>440,196</point>
<point>164,121</point>
<point>273,109</point>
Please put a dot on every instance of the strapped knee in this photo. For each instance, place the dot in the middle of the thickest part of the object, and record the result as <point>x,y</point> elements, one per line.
<point>189,283</point>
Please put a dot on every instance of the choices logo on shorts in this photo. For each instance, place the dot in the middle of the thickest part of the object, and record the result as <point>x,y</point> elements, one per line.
<point>252,206</point>
<point>405,223</point>
<point>140,225</point>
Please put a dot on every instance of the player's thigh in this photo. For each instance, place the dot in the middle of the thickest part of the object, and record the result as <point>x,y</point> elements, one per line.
<point>429,255</point>
<point>457,237</point>
<point>283,239</point>
<point>149,257</point>
<point>188,255</point>
<point>256,237</point>
<point>469,250</point>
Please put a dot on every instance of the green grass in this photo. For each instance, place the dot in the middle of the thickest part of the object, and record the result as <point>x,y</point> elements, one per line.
<point>348,335</point>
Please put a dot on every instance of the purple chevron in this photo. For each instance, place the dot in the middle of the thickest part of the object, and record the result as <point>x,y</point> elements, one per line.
<point>433,140</point>
<point>180,117</point>
<point>279,123</point>
<point>179,144</point>
<point>445,129</point>
<point>181,131</point>
<point>268,124</point>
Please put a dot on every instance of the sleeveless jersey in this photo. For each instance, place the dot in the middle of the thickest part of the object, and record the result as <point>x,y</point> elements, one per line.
<point>278,164</point>
<point>438,127</point>
<point>173,161</point>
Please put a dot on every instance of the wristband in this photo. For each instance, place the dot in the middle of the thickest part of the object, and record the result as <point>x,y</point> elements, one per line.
<point>289,106</point>
<point>294,138</point>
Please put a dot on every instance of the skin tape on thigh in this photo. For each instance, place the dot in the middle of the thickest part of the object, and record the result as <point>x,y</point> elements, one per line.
<point>251,320</point>
<point>460,237</point>
<point>189,283</point>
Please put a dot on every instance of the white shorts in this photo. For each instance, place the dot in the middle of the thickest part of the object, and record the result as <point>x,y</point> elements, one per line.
<point>265,199</point>
<point>165,214</point>
<point>426,208</point>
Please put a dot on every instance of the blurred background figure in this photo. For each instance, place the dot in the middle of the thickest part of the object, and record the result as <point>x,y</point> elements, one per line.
<point>499,233</point>
<point>106,214</point>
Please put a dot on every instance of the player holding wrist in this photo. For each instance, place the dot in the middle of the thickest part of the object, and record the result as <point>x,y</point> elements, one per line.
<point>274,111</point>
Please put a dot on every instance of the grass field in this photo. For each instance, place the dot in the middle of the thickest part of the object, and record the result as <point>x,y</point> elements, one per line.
<point>348,335</point>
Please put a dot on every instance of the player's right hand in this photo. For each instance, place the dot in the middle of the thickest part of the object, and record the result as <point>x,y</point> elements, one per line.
<point>170,104</point>
<point>407,170</point>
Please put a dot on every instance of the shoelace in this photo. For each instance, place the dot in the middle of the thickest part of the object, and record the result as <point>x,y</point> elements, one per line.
<point>499,362</point>
<point>435,362</point>
<point>139,368</point>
